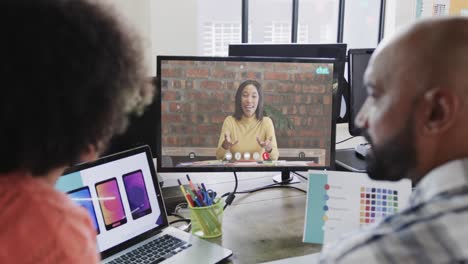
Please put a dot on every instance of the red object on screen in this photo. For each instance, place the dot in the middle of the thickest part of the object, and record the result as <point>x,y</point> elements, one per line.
<point>266,156</point>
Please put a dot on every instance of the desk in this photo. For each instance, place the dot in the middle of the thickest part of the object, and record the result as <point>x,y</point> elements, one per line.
<point>343,133</point>
<point>345,156</point>
<point>265,225</point>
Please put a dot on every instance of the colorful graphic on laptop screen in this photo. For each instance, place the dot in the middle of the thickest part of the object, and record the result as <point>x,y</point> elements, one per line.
<point>119,195</point>
<point>82,196</point>
<point>111,203</point>
<point>136,194</point>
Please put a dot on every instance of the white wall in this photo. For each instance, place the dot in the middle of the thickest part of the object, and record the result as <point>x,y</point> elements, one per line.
<point>137,14</point>
<point>173,28</point>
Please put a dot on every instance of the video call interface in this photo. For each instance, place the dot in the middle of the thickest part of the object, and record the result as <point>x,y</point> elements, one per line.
<point>119,197</point>
<point>198,101</point>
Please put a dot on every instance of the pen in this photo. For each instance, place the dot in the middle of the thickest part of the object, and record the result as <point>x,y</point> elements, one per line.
<point>205,194</point>
<point>200,198</point>
<point>194,197</point>
<point>210,201</point>
<point>191,183</point>
<point>189,200</point>
<point>197,202</point>
<point>181,187</point>
<point>203,186</point>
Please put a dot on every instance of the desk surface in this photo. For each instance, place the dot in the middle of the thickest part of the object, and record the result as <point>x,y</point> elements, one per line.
<point>265,225</point>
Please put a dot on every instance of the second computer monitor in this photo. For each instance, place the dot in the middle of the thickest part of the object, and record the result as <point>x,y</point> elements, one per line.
<point>336,50</point>
<point>357,64</point>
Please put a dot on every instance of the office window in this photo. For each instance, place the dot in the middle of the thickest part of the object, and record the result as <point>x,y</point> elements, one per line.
<point>270,21</point>
<point>303,33</point>
<point>219,24</point>
<point>280,32</point>
<point>277,32</point>
<point>218,35</point>
<point>195,28</point>
<point>401,13</point>
<point>318,21</point>
<point>361,23</point>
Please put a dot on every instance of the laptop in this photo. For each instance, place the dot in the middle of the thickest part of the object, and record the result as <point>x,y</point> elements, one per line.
<point>124,200</point>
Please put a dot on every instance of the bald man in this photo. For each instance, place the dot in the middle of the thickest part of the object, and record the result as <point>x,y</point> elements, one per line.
<point>416,117</point>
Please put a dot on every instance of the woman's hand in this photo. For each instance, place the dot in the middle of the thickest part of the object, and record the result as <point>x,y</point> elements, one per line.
<point>265,144</point>
<point>227,143</point>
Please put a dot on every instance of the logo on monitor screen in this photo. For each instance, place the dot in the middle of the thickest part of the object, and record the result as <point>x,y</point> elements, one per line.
<point>322,70</point>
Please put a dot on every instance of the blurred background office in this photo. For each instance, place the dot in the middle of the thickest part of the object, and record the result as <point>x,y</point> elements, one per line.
<point>207,27</point>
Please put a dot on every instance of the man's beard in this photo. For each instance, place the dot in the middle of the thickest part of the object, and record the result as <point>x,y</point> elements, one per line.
<point>394,159</point>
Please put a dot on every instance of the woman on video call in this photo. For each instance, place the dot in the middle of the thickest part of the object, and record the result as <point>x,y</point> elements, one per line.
<point>247,130</point>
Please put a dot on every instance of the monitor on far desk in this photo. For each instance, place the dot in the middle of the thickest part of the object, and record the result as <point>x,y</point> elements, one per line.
<point>358,59</point>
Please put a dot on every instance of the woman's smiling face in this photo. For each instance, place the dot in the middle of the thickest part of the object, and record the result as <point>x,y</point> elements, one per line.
<point>249,100</point>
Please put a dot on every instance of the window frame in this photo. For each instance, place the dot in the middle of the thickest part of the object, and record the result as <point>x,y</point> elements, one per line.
<point>295,21</point>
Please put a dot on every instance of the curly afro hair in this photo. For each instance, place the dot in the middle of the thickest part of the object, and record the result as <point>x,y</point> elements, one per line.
<point>70,73</point>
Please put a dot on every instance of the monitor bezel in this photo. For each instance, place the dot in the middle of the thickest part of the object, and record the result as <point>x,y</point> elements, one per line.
<point>353,130</point>
<point>266,50</point>
<point>283,169</point>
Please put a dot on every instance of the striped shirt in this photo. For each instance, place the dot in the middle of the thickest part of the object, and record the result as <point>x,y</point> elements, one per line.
<point>41,225</point>
<point>433,229</point>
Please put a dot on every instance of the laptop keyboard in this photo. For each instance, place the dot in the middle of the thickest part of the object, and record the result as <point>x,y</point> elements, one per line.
<point>155,251</point>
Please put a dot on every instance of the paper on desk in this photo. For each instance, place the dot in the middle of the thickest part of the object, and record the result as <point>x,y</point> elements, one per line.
<point>341,202</point>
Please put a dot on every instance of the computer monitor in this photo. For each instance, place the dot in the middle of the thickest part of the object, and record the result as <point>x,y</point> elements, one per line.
<point>198,99</point>
<point>336,51</point>
<point>141,130</point>
<point>357,64</point>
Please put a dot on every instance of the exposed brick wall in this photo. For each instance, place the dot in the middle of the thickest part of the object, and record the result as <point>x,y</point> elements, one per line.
<point>197,97</point>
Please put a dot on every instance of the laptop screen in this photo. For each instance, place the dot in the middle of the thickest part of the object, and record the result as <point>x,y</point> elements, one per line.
<point>119,194</point>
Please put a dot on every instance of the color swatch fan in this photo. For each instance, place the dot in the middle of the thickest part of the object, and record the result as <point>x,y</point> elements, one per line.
<point>341,202</point>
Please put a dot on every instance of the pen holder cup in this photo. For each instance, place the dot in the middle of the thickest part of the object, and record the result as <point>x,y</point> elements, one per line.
<point>207,222</point>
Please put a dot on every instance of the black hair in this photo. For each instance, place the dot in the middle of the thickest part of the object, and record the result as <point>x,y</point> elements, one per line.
<point>238,113</point>
<point>70,74</point>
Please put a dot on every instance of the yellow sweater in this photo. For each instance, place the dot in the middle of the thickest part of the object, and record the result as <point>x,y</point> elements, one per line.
<point>246,131</point>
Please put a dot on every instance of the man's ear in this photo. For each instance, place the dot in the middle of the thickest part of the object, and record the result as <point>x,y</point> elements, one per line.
<point>90,154</point>
<point>440,107</point>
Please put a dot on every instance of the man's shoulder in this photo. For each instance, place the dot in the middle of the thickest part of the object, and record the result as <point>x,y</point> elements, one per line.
<point>434,232</point>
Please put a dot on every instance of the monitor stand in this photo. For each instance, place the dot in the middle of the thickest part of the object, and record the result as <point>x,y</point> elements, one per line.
<point>285,177</point>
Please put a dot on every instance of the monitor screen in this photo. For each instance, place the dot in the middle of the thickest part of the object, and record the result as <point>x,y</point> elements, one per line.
<point>357,64</point>
<point>248,113</point>
<point>336,51</point>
